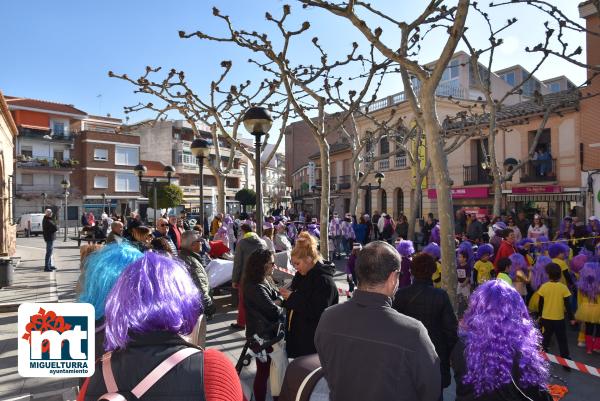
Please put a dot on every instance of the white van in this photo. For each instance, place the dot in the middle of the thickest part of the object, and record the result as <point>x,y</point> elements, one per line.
<point>30,223</point>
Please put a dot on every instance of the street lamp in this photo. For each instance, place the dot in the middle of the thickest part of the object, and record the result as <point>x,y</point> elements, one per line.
<point>200,149</point>
<point>169,171</point>
<point>65,184</point>
<point>44,197</point>
<point>257,122</point>
<point>140,170</point>
<point>369,187</point>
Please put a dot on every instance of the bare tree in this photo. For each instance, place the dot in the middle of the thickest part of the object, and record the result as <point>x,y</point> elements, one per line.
<point>222,110</point>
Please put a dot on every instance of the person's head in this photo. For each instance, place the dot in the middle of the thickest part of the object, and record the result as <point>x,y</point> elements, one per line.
<point>191,240</point>
<point>161,244</point>
<point>142,234</point>
<point>508,235</point>
<point>378,268</point>
<point>405,248</point>
<point>558,250</point>
<point>362,220</point>
<point>246,228</point>
<point>117,227</point>
<point>281,228</point>
<point>485,252</point>
<point>102,269</point>
<point>525,244</point>
<point>567,223</point>
<point>503,265</point>
<point>268,230</point>
<point>260,264</point>
<point>496,330</point>
<point>589,280</point>
<point>521,215</point>
<point>539,275</point>
<point>305,253</point>
<point>510,221</point>
<point>154,294</point>
<point>435,235</point>
<point>423,266</point>
<point>553,271</point>
<point>517,262</point>
<point>356,248</point>
<point>198,228</point>
<point>433,250</point>
<point>48,213</point>
<point>537,220</point>
<point>219,216</point>
<point>162,226</point>
<point>578,262</point>
<point>173,220</point>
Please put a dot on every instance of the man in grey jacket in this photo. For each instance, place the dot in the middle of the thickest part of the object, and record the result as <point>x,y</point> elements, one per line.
<point>191,246</point>
<point>248,243</point>
<point>366,338</point>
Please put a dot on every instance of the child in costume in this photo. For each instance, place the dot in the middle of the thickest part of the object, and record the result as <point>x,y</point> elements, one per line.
<point>588,311</point>
<point>539,276</point>
<point>575,267</point>
<point>520,274</point>
<point>525,247</point>
<point>559,251</point>
<point>406,249</point>
<point>434,251</point>
<point>483,268</point>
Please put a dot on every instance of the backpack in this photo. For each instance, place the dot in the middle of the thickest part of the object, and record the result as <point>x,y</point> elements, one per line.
<point>147,382</point>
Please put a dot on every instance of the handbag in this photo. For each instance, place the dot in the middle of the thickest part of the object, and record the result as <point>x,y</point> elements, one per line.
<point>279,364</point>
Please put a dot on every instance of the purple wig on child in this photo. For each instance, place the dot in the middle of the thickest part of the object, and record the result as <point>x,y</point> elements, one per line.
<point>517,262</point>
<point>485,249</point>
<point>154,294</point>
<point>433,250</point>
<point>496,329</point>
<point>435,234</point>
<point>466,248</point>
<point>577,262</point>
<point>542,244</point>
<point>557,248</point>
<point>539,275</point>
<point>523,243</point>
<point>405,248</point>
<point>589,280</point>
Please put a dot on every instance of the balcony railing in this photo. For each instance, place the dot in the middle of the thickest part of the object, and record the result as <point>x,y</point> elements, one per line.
<point>47,163</point>
<point>443,90</point>
<point>400,162</point>
<point>473,175</point>
<point>384,165</point>
<point>539,171</point>
<point>343,179</point>
<point>38,189</point>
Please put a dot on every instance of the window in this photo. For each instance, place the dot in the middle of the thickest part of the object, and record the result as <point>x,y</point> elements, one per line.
<point>27,151</point>
<point>126,182</point>
<point>101,154</point>
<point>555,87</point>
<point>59,155</point>
<point>100,181</point>
<point>452,71</point>
<point>384,146</point>
<point>58,128</point>
<point>126,156</point>
<point>509,78</point>
<point>26,179</point>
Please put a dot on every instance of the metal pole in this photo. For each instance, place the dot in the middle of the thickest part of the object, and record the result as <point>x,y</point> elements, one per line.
<point>201,204</point>
<point>66,196</point>
<point>155,201</point>
<point>259,211</point>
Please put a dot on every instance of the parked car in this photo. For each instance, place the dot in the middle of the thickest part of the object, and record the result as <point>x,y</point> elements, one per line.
<point>30,223</point>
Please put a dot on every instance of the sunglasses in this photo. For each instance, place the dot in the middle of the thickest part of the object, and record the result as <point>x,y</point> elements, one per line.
<point>163,225</point>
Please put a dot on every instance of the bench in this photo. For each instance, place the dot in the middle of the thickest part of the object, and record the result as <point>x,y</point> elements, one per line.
<point>83,236</point>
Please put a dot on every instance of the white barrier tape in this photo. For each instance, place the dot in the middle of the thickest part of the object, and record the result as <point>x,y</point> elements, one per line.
<point>590,370</point>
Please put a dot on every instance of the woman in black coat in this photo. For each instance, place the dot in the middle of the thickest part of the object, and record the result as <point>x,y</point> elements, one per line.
<point>263,310</point>
<point>312,291</point>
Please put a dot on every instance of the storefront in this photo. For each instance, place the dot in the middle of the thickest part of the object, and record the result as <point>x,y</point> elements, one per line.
<point>477,200</point>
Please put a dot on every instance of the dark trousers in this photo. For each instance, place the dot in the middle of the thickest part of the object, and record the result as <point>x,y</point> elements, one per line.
<point>558,328</point>
<point>49,249</point>
<point>260,380</point>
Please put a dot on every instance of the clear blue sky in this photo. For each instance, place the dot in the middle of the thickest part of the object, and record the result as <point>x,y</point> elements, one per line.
<point>61,50</point>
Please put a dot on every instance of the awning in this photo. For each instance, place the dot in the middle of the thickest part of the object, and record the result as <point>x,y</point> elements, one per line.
<point>564,197</point>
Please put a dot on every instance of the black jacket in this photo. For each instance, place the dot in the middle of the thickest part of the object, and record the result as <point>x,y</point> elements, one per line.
<point>311,295</point>
<point>262,314</point>
<point>49,229</point>
<point>432,307</point>
<point>475,231</point>
<point>371,352</point>
<point>143,353</point>
<point>507,392</point>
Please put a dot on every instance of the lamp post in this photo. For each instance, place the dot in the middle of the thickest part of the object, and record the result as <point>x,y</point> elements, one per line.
<point>200,149</point>
<point>258,121</point>
<point>140,170</point>
<point>369,187</point>
<point>44,197</point>
<point>65,184</point>
<point>103,202</point>
<point>169,171</point>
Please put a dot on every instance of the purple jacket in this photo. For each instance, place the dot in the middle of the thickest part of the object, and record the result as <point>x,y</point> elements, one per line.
<point>350,264</point>
<point>405,273</point>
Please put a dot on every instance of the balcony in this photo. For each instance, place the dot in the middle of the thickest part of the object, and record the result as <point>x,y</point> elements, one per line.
<point>41,163</point>
<point>343,179</point>
<point>194,191</point>
<point>539,171</point>
<point>443,89</point>
<point>400,162</point>
<point>474,175</point>
<point>384,165</point>
<point>39,133</point>
<point>36,190</point>
<point>236,172</point>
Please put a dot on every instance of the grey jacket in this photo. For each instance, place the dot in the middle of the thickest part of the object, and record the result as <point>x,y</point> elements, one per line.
<point>197,271</point>
<point>243,250</point>
<point>390,353</point>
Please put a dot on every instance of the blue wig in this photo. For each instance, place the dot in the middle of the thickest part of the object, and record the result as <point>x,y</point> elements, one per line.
<point>557,248</point>
<point>522,244</point>
<point>496,329</point>
<point>156,293</point>
<point>102,269</point>
<point>433,250</point>
<point>405,248</point>
<point>517,262</point>
<point>485,249</point>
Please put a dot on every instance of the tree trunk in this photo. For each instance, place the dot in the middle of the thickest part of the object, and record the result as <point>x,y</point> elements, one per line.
<point>415,199</point>
<point>220,193</point>
<point>439,163</point>
<point>325,194</point>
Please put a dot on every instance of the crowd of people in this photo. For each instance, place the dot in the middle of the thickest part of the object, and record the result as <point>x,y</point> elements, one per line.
<point>398,336</point>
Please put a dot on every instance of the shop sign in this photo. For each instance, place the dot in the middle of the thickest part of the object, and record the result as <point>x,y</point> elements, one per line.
<point>538,189</point>
<point>463,193</point>
<point>479,212</point>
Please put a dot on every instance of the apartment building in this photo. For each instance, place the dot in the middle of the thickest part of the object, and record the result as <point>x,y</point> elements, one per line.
<point>44,154</point>
<point>8,135</point>
<point>168,142</point>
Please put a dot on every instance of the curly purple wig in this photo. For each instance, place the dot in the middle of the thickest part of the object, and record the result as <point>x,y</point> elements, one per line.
<point>405,248</point>
<point>485,249</point>
<point>433,250</point>
<point>538,274</point>
<point>524,242</point>
<point>557,248</point>
<point>589,280</point>
<point>435,234</point>
<point>542,244</point>
<point>577,263</point>
<point>466,248</point>
<point>496,329</point>
<point>518,262</point>
<point>155,293</point>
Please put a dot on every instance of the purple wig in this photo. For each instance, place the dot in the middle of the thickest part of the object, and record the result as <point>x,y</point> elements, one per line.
<point>589,281</point>
<point>523,243</point>
<point>577,263</point>
<point>557,248</point>
<point>155,293</point>
<point>405,248</point>
<point>517,262</point>
<point>496,329</point>
<point>485,249</point>
<point>435,234</point>
<point>466,248</point>
<point>538,274</point>
<point>542,244</point>
<point>563,231</point>
<point>433,250</point>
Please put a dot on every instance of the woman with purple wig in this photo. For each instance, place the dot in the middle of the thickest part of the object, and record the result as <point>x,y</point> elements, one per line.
<point>520,273</point>
<point>151,306</point>
<point>497,356</point>
<point>588,311</point>
<point>433,249</point>
<point>406,249</point>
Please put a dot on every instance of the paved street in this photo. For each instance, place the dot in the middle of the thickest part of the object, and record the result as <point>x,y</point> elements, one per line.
<point>32,284</point>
